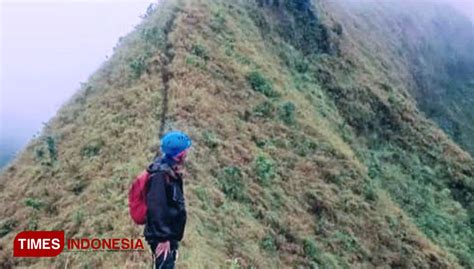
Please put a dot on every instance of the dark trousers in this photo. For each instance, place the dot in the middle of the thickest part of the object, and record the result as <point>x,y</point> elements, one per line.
<point>160,262</point>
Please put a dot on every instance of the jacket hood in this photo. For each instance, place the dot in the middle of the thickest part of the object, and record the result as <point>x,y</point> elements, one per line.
<point>160,164</point>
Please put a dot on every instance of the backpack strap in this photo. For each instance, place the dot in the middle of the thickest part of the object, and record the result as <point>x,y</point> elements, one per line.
<point>158,166</point>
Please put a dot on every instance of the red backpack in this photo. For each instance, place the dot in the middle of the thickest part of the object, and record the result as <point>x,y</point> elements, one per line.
<point>137,198</point>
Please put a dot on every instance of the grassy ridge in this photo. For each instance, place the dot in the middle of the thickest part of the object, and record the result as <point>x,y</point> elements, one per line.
<point>306,153</point>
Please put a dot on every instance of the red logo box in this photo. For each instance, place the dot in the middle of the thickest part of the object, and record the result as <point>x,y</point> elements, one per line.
<point>38,244</point>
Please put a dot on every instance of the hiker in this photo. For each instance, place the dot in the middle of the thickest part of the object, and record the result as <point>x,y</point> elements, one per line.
<point>166,211</point>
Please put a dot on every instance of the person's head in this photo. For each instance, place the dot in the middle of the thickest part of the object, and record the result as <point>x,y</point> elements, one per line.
<point>175,146</point>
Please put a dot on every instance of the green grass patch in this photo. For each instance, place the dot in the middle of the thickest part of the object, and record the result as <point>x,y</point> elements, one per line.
<point>261,84</point>
<point>287,113</point>
<point>264,169</point>
<point>137,66</point>
<point>93,148</point>
<point>231,182</point>
<point>200,51</point>
<point>7,225</point>
<point>210,139</point>
<point>265,109</point>
<point>34,203</point>
<point>268,243</point>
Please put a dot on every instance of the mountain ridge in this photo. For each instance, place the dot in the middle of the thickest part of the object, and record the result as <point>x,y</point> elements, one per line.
<point>306,153</point>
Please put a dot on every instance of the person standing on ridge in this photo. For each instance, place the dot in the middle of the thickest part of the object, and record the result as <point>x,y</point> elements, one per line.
<point>166,210</point>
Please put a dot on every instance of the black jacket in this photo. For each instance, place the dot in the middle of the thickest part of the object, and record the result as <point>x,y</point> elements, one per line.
<point>166,216</point>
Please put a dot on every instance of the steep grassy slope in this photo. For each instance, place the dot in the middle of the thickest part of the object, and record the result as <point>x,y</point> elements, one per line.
<point>306,152</point>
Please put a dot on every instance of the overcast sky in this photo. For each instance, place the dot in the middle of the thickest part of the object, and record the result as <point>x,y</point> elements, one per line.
<point>464,6</point>
<point>47,49</point>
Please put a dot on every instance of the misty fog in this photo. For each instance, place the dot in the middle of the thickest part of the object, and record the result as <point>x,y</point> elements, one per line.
<point>47,49</point>
<point>466,7</point>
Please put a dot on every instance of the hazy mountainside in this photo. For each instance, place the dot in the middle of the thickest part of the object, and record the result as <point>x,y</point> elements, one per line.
<point>429,47</point>
<point>309,147</point>
<point>8,151</point>
<point>9,147</point>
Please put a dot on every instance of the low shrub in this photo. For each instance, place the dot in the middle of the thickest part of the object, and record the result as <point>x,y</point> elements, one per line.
<point>265,109</point>
<point>39,153</point>
<point>203,195</point>
<point>33,221</point>
<point>137,66</point>
<point>218,20</point>
<point>268,243</point>
<point>310,249</point>
<point>369,191</point>
<point>92,148</point>
<point>46,153</point>
<point>210,139</point>
<point>200,51</point>
<point>34,203</point>
<point>302,145</point>
<point>260,84</point>
<point>7,226</point>
<point>78,186</point>
<point>287,113</point>
<point>52,150</point>
<point>79,217</point>
<point>346,241</point>
<point>264,169</point>
<point>231,183</point>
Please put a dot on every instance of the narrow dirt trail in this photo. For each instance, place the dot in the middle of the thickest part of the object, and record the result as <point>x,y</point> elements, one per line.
<point>166,59</point>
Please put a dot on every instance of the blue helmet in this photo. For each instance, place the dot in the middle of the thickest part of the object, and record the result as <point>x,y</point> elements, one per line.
<point>175,142</point>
